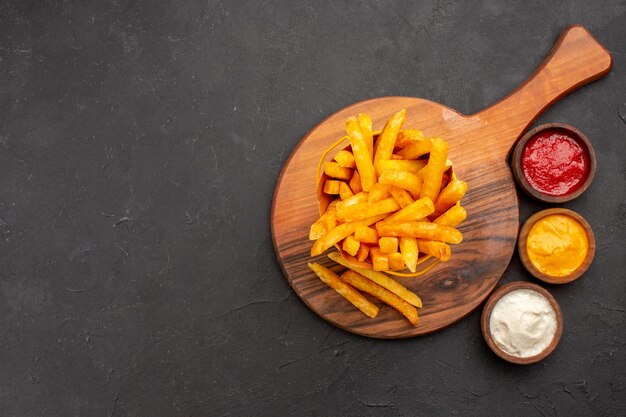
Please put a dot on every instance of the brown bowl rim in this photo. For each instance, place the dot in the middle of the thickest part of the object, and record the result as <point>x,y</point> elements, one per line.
<point>486,316</point>
<point>523,235</point>
<point>525,185</point>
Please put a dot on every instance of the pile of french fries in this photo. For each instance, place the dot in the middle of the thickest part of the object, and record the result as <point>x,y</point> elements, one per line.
<point>393,196</point>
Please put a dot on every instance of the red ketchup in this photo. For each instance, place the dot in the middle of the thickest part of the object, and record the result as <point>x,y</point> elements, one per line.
<point>554,162</point>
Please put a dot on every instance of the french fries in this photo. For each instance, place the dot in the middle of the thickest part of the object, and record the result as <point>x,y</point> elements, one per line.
<point>345,290</point>
<point>362,154</point>
<point>409,251</point>
<point>420,230</point>
<point>387,140</point>
<point>345,159</point>
<point>380,279</point>
<point>364,210</point>
<point>452,217</point>
<point>434,169</point>
<point>448,197</point>
<point>388,191</point>
<point>339,233</point>
<point>360,282</point>
<point>403,179</point>
<point>392,197</point>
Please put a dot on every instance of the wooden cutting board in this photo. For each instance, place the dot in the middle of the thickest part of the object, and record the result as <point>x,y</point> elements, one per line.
<point>479,145</point>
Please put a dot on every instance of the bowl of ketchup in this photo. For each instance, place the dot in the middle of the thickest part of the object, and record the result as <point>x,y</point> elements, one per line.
<point>554,163</point>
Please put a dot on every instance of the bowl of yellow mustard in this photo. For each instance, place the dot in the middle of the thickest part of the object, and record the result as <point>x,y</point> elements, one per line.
<point>556,245</point>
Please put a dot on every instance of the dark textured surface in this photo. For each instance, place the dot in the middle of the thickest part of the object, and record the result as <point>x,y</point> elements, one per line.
<point>139,146</point>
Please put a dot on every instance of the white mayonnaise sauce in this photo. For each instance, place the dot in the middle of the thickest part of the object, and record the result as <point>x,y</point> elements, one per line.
<point>523,323</point>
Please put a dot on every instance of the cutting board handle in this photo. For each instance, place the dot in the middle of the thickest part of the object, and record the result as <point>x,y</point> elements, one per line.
<point>576,59</point>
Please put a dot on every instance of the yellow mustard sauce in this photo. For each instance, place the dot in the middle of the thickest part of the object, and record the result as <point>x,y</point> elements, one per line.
<point>557,245</point>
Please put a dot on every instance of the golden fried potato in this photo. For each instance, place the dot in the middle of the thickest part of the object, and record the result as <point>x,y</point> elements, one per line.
<point>362,283</point>
<point>345,191</point>
<point>434,169</point>
<point>388,244</point>
<point>345,290</point>
<point>453,192</point>
<point>381,279</point>
<point>439,250</point>
<point>420,230</point>
<point>362,155</point>
<point>339,233</point>
<point>415,211</point>
<point>364,210</point>
<point>331,186</point>
<point>365,124</point>
<point>403,179</point>
<point>452,217</point>
<point>345,159</point>
<point>366,235</point>
<point>402,196</point>
<point>387,140</point>
<point>410,252</point>
<point>333,170</point>
<point>413,166</point>
<point>351,245</point>
<point>355,183</point>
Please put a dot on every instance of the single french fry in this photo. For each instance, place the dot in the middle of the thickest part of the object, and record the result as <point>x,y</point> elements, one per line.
<point>333,170</point>
<point>420,230</point>
<point>345,159</point>
<point>365,285</point>
<point>345,290</point>
<point>379,192</point>
<point>452,217</point>
<point>345,191</point>
<point>351,245</point>
<point>362,283</point>
<point>339,233</point>
<point>365,124</point>
<point>361,197</point>
<point>380,262</point>
<point>355,183</point>
<point>364,210</point>
<point>366,234</point>
<point>402,196</point>
<point>415,211</point>
<point>416,149</point>
<point>363,252</point>
<point>388,244</point>
<point>439,250</point>
<point>449,196</point>
<point>396,262</point>
<point>434,170</point>
<point>324,224</point>
<point>387,140</point>
<point>410,252</point>
<point>331,186</point>
<point>413,166</point>
<point>403,179</point>
<point>408,136</point>
<point>380,279</point>
<point>361,154</point>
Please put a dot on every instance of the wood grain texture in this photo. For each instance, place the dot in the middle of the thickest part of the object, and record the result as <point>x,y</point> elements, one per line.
<point>478,148</point>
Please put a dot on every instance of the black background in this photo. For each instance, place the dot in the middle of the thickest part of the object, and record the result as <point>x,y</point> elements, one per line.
<point>140,143</point>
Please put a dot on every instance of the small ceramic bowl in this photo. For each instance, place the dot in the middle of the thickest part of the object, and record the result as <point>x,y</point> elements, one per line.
<point>516,162</point>
<point>486,316</point>
<point>523,254</point>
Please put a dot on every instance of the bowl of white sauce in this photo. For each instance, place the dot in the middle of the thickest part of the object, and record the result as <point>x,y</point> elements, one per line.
<point>522,322</point>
